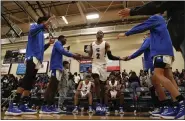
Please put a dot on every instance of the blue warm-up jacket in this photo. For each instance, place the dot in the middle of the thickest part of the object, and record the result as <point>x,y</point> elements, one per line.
<point>58,51</point>
<point>145,48</point>
<point>160,43</point>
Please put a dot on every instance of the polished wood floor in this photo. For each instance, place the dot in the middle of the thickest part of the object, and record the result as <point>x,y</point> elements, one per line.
<point>82,116</point>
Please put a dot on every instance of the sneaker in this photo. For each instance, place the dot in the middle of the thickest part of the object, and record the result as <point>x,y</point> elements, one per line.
<point>75,110</point>
<point>26,110</point>
<point>45,110</point>
<point>90,109</point>
<point>13,110</point>
<point>168,113</point>
<point>53,109</point>
<point>107,112</point>
<point>103,110</point>
<point>155,109</point>
<point>98,108</point>
<point>181,112</point>
<point>121,110</point>
<point>62,110</point>
<point>157,112</point>
<point>116,112</point>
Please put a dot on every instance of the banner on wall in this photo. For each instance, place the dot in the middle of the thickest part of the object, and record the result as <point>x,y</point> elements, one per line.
<point>113,65</point>
<point>85,65</point>
<point>21,69</point>
<point>5,69</point>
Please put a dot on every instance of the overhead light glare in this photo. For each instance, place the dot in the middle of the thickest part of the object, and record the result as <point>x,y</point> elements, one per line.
<point>92,16</point>
<point>65,20</point>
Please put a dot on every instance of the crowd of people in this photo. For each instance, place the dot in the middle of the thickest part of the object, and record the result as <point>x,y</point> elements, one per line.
<point>127,79</point>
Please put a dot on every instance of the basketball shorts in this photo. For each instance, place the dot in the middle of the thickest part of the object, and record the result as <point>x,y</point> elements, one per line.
<point>57,74</point>
<point>113,93</point>
<point>100,70</point>
<point>84,93</point>
<point>163,61</point>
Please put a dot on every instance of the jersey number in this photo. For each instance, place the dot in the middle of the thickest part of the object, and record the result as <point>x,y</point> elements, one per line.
<point>98,55</point>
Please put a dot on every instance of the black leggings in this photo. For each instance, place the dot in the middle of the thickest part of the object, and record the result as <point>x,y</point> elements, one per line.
<point>30,75</point>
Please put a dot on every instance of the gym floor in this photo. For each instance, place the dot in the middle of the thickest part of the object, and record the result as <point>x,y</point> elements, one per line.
<point>82,116</point>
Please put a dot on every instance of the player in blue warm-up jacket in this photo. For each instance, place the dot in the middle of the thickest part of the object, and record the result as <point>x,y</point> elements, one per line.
<point>56,67</point>
<point>148,64</point>
<point>34,58</point>
<point>163,57</point>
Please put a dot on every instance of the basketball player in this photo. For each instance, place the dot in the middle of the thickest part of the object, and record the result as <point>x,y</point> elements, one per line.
<point>113,92</point>
<point>85,89</point>
<point>34,57</point>
<point>98,51</point>
<point>145,48</point>
<point>163,57</point>
<point>56,67</point>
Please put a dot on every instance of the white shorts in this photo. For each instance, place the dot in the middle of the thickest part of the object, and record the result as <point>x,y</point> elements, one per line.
<point>37,63</point>
<point>113,93</point>
<point>84,93</point>
<point>162,61</point>
<point>101,70</point>
<point>57,74</point>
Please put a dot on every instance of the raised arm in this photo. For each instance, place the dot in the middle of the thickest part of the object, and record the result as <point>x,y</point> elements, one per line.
<point>62,51</point>
<point>144,46</point>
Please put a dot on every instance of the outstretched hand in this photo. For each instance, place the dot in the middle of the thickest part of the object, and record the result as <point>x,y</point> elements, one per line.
<point>124,12</point>
<point>127,58</point>
<point>121,35</point>
<point>77,56</point>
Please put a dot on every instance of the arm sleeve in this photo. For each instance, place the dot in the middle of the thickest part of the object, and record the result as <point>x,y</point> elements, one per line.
<point>35,29</point>
<point>111,57</point>
<point>62,51</point>
<point>141,50</point>
<point>146,25</point>
<point>46,46</point>
<point>151,8</point>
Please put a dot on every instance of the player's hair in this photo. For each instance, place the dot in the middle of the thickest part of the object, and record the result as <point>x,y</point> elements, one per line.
<point>61,37</point>
<point>41,19</point>
<point>65,63</point>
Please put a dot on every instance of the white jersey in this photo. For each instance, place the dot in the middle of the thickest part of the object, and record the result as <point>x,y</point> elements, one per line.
<point>113,85</point>
<point>99,54</point>
<point>86,87</point>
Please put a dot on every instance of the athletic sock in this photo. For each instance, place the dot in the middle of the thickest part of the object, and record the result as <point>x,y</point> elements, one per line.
<point>25,99</point>
<point>44,103</point>
<point>175,104</point>
<point>180,98</point>
<point>165,103</point>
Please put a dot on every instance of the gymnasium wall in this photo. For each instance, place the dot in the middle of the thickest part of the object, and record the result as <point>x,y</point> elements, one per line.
<point>121,47</point>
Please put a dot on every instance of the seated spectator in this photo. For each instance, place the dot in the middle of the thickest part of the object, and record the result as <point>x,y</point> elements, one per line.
<point>143,80</point>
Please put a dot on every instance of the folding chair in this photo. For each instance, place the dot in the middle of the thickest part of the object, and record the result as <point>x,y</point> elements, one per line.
<point>145,98</point>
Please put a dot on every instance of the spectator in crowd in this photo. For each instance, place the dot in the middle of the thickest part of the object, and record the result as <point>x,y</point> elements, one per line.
<point>124,73</point>
<point>134,81</point>
<point>76,79</point>
<point>177,73</point>
<point>143,79</point>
